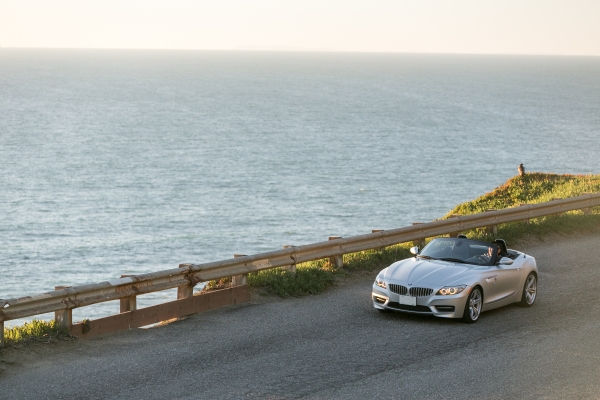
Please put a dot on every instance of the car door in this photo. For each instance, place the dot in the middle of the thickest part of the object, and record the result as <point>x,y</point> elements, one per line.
<point>507,281</point>
<point>489,282</point>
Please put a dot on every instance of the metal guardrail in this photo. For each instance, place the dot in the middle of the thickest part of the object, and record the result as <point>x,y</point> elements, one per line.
<point>188,275</point>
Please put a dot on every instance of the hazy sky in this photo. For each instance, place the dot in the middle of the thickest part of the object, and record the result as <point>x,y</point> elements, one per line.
<point>424,26</point>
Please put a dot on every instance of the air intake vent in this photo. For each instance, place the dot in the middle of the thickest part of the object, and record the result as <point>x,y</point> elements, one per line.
<point>420,292</point>
<point>398,289</point>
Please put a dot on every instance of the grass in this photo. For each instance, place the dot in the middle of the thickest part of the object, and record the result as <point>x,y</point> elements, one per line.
<point>532,189</point>
<point>316,276</point>
<point>34,331</point>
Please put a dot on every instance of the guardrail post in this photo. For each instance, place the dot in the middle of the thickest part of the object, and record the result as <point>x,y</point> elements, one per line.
<point>528,220</point>
<point>185,291</point>
<point>455,233</point>
<point>338,261</point>
<point>291,268</point>
<point>586,210</point>
<point>493,229</point>
<point>558,214</point>
<point>419,242</point>
<point>128,303</point>
<point>239,280</point>
<point>64,317</point>
<point>1,334</point>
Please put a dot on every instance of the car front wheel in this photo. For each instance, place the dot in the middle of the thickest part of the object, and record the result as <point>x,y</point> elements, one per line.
<point>473,306</point>
<point>529,291</point>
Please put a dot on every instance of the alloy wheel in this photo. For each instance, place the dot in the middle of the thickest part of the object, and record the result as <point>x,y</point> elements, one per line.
<point>475,304</point>
<point>530,289</point>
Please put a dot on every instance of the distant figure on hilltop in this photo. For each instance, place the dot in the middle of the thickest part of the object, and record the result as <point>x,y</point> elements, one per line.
<point>521,169</point>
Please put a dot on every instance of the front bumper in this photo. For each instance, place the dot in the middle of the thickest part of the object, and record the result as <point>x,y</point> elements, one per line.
<point>439,306</point>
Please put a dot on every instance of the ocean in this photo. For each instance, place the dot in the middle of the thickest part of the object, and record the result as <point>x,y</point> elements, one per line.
<point>126,162</point>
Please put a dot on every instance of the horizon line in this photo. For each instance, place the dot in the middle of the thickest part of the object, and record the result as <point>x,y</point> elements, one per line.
<point>260,49</point>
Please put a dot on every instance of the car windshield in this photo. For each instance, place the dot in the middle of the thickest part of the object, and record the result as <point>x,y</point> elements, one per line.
<point>460,250</point>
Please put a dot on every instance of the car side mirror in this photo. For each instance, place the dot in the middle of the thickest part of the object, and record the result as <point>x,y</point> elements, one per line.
<point>415,250</point>
<point>505,261</point>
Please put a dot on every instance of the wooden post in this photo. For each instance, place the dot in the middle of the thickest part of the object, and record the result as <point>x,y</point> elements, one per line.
<point>291,268</point>
<point>586,210</point>
<point>239,280</point>
<point>1,334</point>
<point>185,291</point>
<point>64,317</point>
<point>528,220</point>
<point>558,214</point>
<point>419,242</point>
<point>493,229</point>
<point>128,303</point>
<point>338,261</point>
<point>454,234</point>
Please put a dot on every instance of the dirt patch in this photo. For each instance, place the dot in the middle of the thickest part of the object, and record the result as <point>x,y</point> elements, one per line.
<point>31,351</point>
<point>532,241</point>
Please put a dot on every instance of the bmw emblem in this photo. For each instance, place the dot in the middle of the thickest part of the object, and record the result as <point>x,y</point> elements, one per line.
<point>409,283</point>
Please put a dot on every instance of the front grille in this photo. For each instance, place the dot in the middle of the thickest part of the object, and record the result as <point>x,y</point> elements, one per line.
<point>399,289</point>
<point>445,308</point>
<point>420,292</point>
<point>404,307</point>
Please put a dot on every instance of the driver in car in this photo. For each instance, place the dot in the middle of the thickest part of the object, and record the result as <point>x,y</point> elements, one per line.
<point>487,257</point>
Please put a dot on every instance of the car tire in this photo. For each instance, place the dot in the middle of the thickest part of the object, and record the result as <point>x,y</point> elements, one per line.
<point>529,291</point>
<point>473,306</point>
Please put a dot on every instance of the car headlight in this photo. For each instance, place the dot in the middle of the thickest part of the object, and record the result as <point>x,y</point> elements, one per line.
<point>380,282</point>
<point>450,290</point>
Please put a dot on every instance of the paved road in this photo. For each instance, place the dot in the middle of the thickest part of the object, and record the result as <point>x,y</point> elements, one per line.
<point>335,346</point>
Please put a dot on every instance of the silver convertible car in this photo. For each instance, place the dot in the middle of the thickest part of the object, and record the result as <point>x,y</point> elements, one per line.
<point>457,278</point>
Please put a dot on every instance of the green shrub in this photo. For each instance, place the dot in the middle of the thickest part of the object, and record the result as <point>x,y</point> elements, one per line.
<point>35,330</point>
<point>309,278</point>
<point>535,188</point>
<point>530,189</point>
<point>315,276</point>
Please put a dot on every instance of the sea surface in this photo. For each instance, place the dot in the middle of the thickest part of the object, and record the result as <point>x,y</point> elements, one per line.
<point>126,162</point>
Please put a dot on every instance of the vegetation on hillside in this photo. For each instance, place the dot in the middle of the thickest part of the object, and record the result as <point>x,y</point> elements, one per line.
<point>531,188</point>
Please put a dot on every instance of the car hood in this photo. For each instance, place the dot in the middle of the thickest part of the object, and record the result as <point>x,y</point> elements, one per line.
<point>431,272</point>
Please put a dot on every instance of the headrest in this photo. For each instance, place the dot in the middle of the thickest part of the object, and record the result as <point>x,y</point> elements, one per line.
<point>502,244</point>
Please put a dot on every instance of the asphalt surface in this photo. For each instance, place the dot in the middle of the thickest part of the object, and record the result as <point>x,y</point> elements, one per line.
<point>336,346</point>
